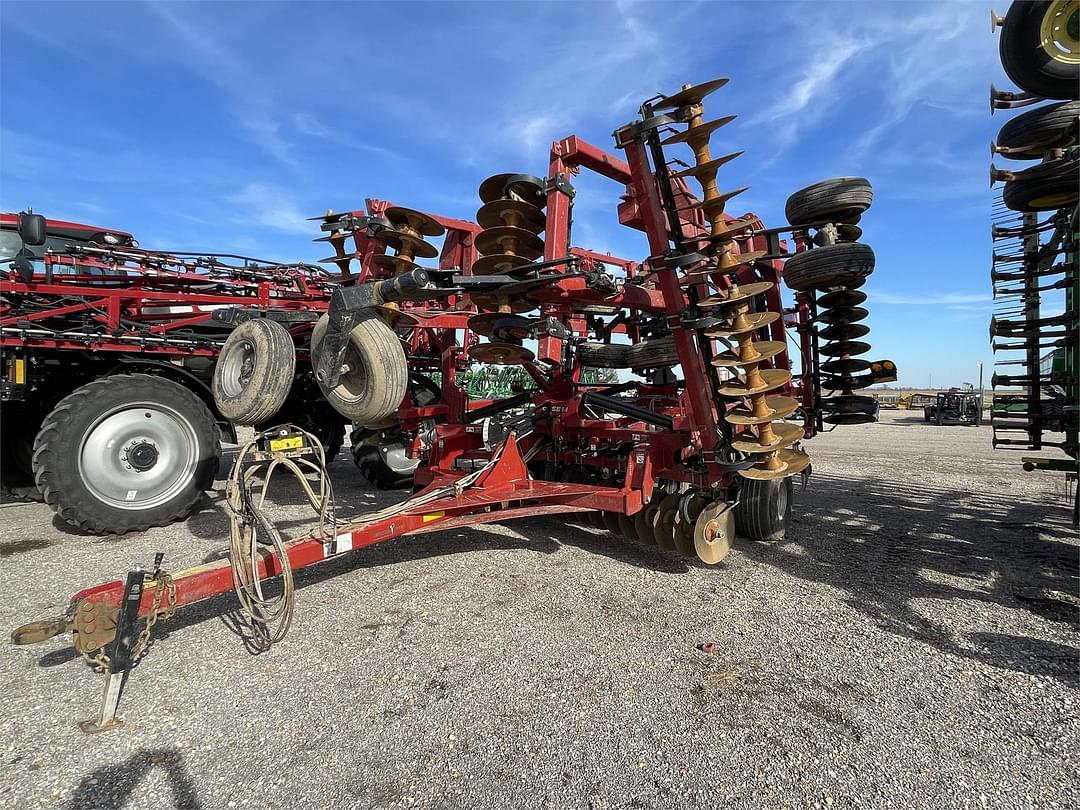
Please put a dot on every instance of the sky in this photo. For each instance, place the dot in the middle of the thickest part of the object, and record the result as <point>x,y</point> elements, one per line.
<point>222,126</point>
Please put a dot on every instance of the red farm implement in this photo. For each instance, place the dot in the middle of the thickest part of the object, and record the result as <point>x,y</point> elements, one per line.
<point>697,439</point>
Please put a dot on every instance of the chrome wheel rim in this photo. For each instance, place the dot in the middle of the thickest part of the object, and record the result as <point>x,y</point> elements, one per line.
<point>237,367</point>
<point>138,455</point>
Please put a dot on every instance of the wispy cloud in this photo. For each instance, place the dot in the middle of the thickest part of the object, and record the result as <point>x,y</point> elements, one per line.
<point>272,207</point>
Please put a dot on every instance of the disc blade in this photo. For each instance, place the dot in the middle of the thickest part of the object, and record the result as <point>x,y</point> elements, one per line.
<point>845,347</point>
<point>700,132</point>
<point>778,408</point>
<point>690,95</point>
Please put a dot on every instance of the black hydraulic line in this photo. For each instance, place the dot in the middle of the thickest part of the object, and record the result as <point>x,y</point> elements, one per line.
<point>627,409</point>
<point>503,405</point>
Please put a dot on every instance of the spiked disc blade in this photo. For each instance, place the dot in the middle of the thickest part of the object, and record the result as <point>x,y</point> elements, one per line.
<point>698,133</point>
<point>708,168</point>
<point>735,294</point>
<point>755,353</point>
<point>770,378</point>
<point>753,322</point>
<point>843,315</point>
<point>714,532</point>
<point>499,263</point>
<point>507,239</point>
<point>715,205</point>
<point>511,212</point>
<point>844,331</point>
<point>515,187</point>
<point>784,435</point>
<point>785,463</point>
<point>848,365</point>
<point>395,264</point>
<point>774,408</point>
<point>501,354</point>
<point>841,298</point>
<point>690,95</point>
<point>407,243</point>
<point>491,302</point>
<point>845,347</point>
<point>416,220</point>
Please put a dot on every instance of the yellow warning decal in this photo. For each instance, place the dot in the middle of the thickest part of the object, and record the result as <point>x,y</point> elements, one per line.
<point>433,516</point>
<point>20,371</point>
<point>287,443</point>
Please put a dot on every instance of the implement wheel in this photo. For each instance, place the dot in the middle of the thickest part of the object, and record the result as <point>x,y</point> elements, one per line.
<point>377,378</point>
<point>1040,47</point>
<point>1040,129</point>
<point>764,508</point>
<point>254,372</point>
<point>1057,188</point>
<point>841,199</point>
<point>845,264</point>
<point>602,355</point>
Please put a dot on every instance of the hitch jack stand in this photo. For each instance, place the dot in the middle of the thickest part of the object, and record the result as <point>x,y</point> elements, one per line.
<point>119,655</point>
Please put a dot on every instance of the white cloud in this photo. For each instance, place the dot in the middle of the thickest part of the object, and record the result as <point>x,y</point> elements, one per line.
<point>273,208</point>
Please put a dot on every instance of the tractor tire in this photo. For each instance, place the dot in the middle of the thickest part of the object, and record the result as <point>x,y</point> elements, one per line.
<point>652,353</point>
<point>17,431</point>
<point>1040,129</point>
<point>126,452</point>
<point>840,265</point>
<point>1054,186</point>
<point>317,418</point>
<point>602,355</point>
<point>840,199</point>
<point>254,372</point>
<point>1038,47</point>
<point>378,377</point>
<point>764,508</point>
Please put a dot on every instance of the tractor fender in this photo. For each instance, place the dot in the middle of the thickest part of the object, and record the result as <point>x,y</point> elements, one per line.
<point>177,374</point>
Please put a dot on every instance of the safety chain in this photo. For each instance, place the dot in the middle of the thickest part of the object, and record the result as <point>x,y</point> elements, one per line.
<point>165,587</point>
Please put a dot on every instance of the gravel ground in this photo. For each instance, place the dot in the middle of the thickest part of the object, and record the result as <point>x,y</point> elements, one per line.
<point>912,643</point>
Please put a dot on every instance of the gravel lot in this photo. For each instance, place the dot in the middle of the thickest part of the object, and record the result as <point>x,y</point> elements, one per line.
<point>913,643</point>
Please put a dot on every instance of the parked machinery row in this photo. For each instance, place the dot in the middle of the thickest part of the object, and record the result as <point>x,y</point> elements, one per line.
<point>1034,274</point>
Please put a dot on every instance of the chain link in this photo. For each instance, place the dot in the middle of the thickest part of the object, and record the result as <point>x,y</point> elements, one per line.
<point>165,587</point>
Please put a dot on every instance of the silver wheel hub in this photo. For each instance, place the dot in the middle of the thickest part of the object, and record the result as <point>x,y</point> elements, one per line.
<point>237,368</point>
<point>138,456</point>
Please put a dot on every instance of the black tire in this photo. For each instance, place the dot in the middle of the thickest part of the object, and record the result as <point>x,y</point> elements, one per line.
<point>1053,186</point>
<point>1040,129</point>
<point>378,376</point>
<point>317,418</point>
<point>840,199</point>
<point>371,459</point>
<point>839,265</point>
<point>764,508</point>
<point>254,372</point>
<point>18,428</point>
<point>1030,65</point>
<point>602,355</point>
<point>101,426</point>
<point>652,353</point>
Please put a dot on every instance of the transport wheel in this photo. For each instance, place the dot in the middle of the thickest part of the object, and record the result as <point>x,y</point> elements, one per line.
<point>840,199</point>
<point>254,373</point>
<point>1054,187</point>
<point>126,452</point>
<point>1039,129</point>
<point>1040,47</point>
<point>377,378</point>
<point>714,532</point>
<point>17,431</point>
<point>764,508</point>
<point>652,353</point>
<point>318,418</point>
<point>602,355</point>
<point>684,531</point>
<point>845,264</point>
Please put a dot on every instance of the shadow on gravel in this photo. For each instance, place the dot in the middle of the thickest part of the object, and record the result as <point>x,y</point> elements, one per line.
<point>112,785</point>
<point>888,546</point>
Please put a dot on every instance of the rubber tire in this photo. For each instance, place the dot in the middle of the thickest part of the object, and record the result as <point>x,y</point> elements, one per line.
<point>839,265</point>
<point>602,355</point>
<point>314,417</point>
<point>272,375</point>
<point>839,199</point>
<point>653,353</point>
<point>367,458</point>
<point>1056,189</point>
<point>379,375</point>
<point>56,451</point>
<point>1038,129</point>
<point>17,433</point>
<point>764,508</point>
<point>1026,63</point>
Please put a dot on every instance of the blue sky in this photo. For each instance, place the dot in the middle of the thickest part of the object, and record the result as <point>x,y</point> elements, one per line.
<point>220,126</point>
